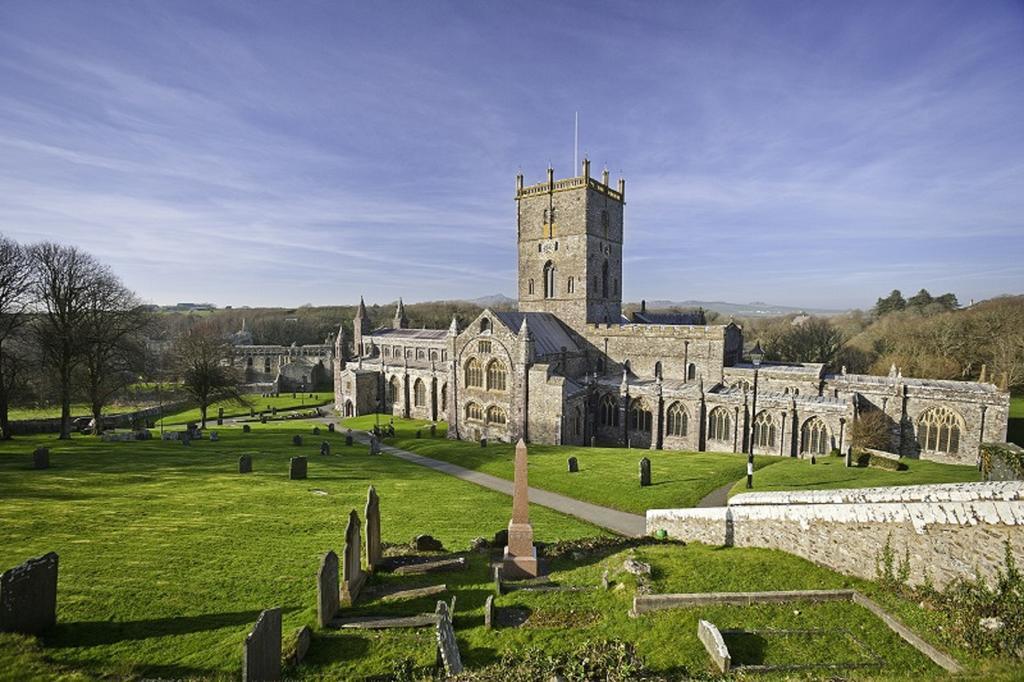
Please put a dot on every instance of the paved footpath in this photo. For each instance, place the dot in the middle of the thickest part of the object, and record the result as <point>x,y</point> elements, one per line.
<point>623,523</point>
<point>716,498</point>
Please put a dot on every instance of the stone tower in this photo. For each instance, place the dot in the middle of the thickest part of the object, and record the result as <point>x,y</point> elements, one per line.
<point>570,247</point>
<point>360,326</point>
<point>401,321</point>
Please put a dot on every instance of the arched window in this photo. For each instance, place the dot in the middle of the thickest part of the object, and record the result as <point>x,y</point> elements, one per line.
<point>657,369</point>
<point>814,437</point>
<point>691,371</point>
<point>419,393</point>
<point>495,415</point>
<point>495,376</point>
<point>485,326</point>
<point>639,416</point>
<point>394,391</point>
<point>604,279</point>
<point>433,355</point>
<point>419,353</point>
<point>549,280</point>
<point>474,373</point>
<point>473,411</point>
<point>719,424</point>
<point>764,430</point>
<point>677,421</point>
<point>609,411</point>
<point>938,430</point>
<point>577,422</point>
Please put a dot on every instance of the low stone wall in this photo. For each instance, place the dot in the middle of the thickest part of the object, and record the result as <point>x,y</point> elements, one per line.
<point>949,531</point>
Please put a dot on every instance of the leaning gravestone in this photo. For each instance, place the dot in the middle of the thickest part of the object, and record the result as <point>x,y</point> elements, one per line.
<point>261,653</point>
<point>28,596</point>
<point>296,439</point>
<point>574,466</point>
<point>645,472</point>
<point>327,589</point>
<point>41,458</point>
<point>297,468</point>
<point>489,612</point>
<point>373,548</point>
<point>447,647</point>
<point>352,576</point>
<point>245,464</point>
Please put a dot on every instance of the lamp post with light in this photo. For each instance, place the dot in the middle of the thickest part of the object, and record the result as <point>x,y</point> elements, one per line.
<point>756,355</point>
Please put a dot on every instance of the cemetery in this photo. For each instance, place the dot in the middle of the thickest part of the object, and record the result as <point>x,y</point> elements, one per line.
<point>278,555</point>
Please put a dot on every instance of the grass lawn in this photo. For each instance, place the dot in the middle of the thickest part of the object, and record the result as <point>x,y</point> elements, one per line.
<point>830,473</point>
<point>77,410</point>
<point>168,555</point>
<point>607,476</point>
<point>255,401</point>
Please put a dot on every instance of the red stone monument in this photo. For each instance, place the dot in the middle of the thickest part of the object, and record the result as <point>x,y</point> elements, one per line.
<point>520,559</point>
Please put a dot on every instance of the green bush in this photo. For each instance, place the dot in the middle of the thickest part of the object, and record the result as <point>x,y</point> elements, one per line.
<point>608,661</point>
<point>1004,458</point>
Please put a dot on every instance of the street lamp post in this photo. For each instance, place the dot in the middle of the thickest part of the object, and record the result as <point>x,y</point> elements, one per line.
<point>756,355</point>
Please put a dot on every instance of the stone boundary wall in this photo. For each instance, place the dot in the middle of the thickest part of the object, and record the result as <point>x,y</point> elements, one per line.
<point>111,421</point>
<point>948,531</point>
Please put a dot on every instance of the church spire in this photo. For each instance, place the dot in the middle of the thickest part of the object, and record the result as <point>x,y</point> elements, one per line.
<point>401,321</point>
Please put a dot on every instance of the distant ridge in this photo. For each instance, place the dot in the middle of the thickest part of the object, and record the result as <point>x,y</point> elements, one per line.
<point>492,301</point>
<point>754,309</point>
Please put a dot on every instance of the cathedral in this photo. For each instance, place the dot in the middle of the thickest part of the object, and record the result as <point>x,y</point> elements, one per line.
<point>569,368</point>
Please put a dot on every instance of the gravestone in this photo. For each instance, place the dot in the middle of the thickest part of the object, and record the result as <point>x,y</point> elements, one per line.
<point>273,411</point>
<point>489,612</point>
<point>28,596</point>
<point>352,576</point>
<point>261,653</point>
<point>220,421</point>
<point>849,457</point>
<point>711,638</point>
<point>447,648</point>
<point>252,412</point>
<point>374,554</point>
<point>246,428</point>
<point>574,466</point>
<point>327,594</point>
<point>263,419</point>
<point>296,439</point>
<point>520,557</point>
<point>348,439</point>
<point>593,441</point>
<point>483,442</point>
<point>214,437</point>
<point>374,445</point>
<point>220,413</point>
<point>297,468</point>
<point>303,640</point>
<point>41,458</point>
<point>497,580</point>
<point>814,460</point>
<point>330,427</point>
<point>316,430</point>
<point>325,448</point>
<point>645,472</point>
<point>245,464</point>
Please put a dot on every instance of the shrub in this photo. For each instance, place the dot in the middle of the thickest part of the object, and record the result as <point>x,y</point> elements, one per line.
<point>608,661</point>
<point>871,430</point>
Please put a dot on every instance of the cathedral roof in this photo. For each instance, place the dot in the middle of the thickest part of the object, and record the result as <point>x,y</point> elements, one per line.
<point>690,318</point>
<point>412,334</point>
<point>548,332</point>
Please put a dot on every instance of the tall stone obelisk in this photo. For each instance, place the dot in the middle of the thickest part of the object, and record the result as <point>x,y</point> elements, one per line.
<point>520,559</point>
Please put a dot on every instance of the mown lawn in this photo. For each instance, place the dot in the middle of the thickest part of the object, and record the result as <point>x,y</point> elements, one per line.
<point>255,401</point>
<point>168,555</point>
<point>831,472</point>
<point>77,410</point>
<point>607,476</point>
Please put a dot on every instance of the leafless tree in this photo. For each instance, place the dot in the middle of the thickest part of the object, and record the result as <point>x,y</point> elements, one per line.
<point>65,279</point>
<point>15,296</point>
<point>113,351</point>
<point>203,357</point>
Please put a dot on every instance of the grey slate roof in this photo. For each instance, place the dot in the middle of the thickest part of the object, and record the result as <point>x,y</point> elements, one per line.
<point>412,334</point>
<point>690,318</point>
<point>549,334</point>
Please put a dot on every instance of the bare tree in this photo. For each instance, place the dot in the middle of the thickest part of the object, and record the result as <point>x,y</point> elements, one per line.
<point>113,352</point>
<point>203,357</point>
<point>64,282</point>
<point>15,296</point>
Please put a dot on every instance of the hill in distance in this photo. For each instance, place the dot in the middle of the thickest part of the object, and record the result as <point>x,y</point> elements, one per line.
<point>753,309</point>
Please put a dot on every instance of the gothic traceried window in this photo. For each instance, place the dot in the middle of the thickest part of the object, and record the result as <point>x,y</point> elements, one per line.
<point>549,280</point>
<point>609,411</point>
<point>814,437</point>
<point>719,424</point>
<point>474,373</point>
<point>419,393</point>
<point>496,376</point>
<point>394,396</point>
<point>677,421</point>
<point>939,430</point>
<point>639,416</point>
<point>473,411</point>
<point>764,430</point>
<point>495,415</point>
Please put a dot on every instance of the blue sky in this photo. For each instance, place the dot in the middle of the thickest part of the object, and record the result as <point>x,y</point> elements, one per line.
<point>279,153</point>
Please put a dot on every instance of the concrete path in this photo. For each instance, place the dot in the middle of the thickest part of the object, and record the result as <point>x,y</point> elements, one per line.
<point>717,498</point>
<point>623,523</point>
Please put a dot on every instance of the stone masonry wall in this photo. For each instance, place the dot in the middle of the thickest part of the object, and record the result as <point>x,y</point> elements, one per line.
<point>949,531</point>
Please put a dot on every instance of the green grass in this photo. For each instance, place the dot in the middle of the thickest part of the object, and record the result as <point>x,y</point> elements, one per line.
<point>77,410</point>
<point>607,476</point>
<point>168,555</point>
<point>283,403</point>
<point>830,473</point>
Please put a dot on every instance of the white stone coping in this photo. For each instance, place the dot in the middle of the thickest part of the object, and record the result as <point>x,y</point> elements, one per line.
<point>945,492</point>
